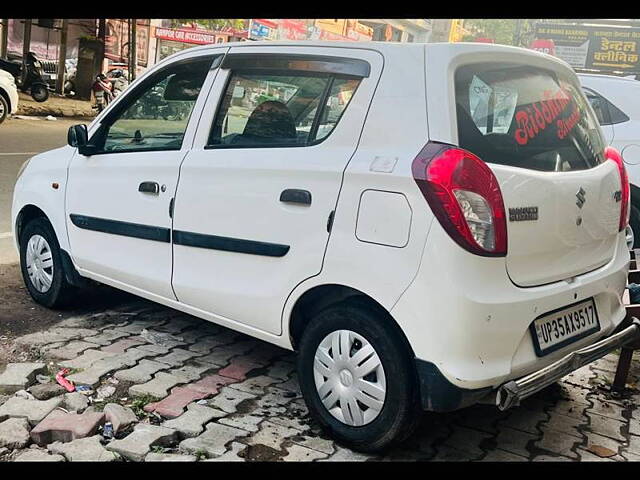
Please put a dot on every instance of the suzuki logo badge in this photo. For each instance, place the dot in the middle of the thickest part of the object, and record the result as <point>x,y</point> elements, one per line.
<point>581,197</point>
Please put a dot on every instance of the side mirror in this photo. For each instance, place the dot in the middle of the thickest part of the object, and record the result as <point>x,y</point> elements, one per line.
<point>78,137</point>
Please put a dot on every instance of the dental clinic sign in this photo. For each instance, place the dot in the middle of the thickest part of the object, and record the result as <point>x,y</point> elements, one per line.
<point>594,47</point>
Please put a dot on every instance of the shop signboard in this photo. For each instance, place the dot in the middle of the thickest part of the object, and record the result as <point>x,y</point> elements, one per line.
<point>261,29</point>
<point>595,47</point>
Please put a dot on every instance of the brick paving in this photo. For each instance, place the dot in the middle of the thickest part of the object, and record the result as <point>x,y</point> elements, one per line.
<point>188,390</point>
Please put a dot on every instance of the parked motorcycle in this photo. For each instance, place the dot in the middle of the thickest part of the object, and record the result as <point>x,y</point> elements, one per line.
<point>29,76</point>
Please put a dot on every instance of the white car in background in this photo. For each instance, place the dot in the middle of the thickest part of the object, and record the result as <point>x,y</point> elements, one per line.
<point>616,102</point>
<point>8,95</point>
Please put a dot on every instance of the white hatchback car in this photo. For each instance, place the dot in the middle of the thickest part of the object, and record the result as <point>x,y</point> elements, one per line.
<point>8,95</point>
<point>616,102</point>
<point>429,226</point>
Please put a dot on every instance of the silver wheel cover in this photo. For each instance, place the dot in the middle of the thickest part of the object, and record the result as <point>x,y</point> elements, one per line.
<point>349,378</point>
<point>39,262</point>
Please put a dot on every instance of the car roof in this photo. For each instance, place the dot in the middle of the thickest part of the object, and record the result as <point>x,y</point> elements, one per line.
<point>602,76</point>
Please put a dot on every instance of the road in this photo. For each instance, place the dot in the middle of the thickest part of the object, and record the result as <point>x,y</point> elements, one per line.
<point>19,140</point>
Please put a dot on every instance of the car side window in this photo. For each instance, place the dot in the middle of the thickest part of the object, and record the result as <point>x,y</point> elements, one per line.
<point>156,117</point>
<point>607,112</point>
<point>283,109</point>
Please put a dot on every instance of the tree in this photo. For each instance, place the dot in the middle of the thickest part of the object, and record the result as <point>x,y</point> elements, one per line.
<point>213,23</point>
<point>505,31</point>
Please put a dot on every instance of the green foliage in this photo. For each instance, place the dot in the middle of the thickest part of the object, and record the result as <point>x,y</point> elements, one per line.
<point>138,404</point>
<point>518,32</point>
<point>212,23</point>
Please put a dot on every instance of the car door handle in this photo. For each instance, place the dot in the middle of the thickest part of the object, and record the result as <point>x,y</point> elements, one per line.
<point>149,187</point>
<point>293,195</point>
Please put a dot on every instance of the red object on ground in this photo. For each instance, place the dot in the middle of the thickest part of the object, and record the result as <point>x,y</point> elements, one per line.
<point>63,381</point>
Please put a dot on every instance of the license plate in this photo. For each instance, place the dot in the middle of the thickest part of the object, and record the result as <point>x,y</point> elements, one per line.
<point>566,325</point>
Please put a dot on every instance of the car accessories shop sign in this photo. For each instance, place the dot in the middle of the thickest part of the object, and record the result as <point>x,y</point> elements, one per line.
<point>595,48</point>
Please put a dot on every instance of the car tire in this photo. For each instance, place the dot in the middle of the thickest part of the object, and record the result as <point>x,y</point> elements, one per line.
<point>41,264</point>
<point>364,327</point>
<point>634,223</point>
<point>4,108</point>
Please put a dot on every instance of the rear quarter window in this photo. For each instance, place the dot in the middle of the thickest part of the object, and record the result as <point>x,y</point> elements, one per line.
<point>526,117</point>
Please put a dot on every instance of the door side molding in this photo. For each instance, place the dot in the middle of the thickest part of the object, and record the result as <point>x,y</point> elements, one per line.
<point>117,227</point>
<point>228,244</point>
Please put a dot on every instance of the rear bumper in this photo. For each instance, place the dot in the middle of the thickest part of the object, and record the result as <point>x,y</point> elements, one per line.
<point>440,395</point>
<point>511,393</point>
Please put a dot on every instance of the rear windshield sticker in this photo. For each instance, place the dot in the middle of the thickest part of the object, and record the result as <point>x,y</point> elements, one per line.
<point>536,117</point>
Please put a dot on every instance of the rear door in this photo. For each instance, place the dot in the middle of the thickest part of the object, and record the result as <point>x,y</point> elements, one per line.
<point>257,189</point>
<point>527,118</point>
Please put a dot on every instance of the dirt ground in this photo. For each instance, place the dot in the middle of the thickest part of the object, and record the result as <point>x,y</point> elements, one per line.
<point>20,315</point>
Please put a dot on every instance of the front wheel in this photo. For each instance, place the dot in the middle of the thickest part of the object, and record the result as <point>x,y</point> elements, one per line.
<point>41,265</point>
<point>40,93</point>
<point>357,377</point>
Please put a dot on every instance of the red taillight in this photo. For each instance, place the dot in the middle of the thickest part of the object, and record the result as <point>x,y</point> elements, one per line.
<point>611,153</point>
<point>465,197</point>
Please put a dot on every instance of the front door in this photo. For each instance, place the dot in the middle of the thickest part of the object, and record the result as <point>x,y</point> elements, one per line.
<point>118,198</point>
<point>258,188</point>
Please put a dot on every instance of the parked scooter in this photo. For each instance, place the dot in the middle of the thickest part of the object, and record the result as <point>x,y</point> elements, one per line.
<point>29,76</point>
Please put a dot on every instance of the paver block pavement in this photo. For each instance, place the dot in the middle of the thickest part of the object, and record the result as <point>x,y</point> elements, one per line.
<point>213,440</point>
<point>173,405</point>
<point>121,345</point>
<point>176,357</point>
<point>169,457</point>
<point>33,410</point>
<point>239,368</point>
<point>71,350</point>
<point>83,450</point>
<point>75,402</point>
<point>18,376</point>
<point>55,335</point>
<point>158,387</point>
<point>228,399</point>
<point>138,443</point>
<point>106,337</point>
<point>141,373</point>
<point>59,426</point>
<point>46,391</point>
<point>191,423</point>
<point>119,416</point>
<point>14,433</point>
<point>33,455</point>
<point>87,359</point>
<point>298,453</point>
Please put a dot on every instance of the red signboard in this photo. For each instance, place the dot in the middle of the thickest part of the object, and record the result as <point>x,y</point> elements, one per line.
<point>484,40</point>
<point>544,46</point>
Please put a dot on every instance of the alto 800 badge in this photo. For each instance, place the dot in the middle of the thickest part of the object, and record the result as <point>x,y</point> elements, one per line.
<point>522,214</point>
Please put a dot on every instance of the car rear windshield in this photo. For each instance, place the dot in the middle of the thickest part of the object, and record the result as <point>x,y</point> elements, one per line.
<point>526,117</point>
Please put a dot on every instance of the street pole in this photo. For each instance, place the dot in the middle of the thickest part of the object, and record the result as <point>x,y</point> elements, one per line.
<point>518,33</point>
<point>26,44</point>
<point>62,57</point>
<point>133,52</point>
<point>5,37</point>
<point>102,36</point>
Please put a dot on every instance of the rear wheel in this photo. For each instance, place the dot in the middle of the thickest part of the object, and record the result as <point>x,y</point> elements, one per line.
<point>357,378</point>
<point>41,265</point>
<point>40,93</point>
<point>634,223</point>
<point>4,108</point>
